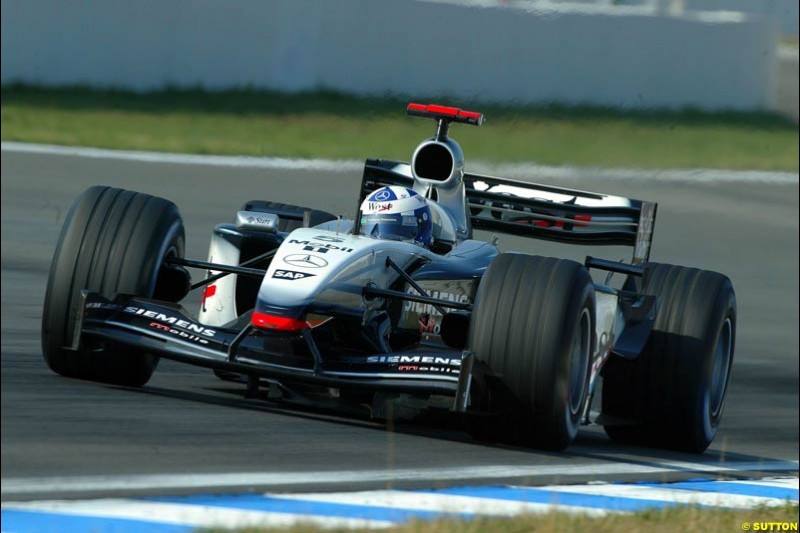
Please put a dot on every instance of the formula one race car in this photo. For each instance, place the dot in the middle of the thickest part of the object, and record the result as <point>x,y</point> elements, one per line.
<point>401,305</point>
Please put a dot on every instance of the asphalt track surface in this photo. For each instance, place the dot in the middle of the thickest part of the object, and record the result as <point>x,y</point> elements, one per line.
<point>187,422</point>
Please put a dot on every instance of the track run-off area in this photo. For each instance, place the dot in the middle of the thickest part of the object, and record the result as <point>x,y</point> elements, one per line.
<point>121,454</point>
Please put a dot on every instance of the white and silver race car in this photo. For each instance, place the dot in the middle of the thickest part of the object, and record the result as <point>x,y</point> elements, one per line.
<point>299,302</point>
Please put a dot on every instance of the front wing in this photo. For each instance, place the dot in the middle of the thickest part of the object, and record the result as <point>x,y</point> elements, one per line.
<point>166,330</point>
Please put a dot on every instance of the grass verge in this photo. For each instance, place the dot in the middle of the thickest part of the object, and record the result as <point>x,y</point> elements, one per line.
<point>676,519</point>
<point>331,125</point>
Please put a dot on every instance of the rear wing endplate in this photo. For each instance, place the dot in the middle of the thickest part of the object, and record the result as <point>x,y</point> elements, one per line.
<point>538,211</point>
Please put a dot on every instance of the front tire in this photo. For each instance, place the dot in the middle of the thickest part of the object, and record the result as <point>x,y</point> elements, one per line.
<point>533,328</point>
<point>673,394</point>
<point>113,242</point>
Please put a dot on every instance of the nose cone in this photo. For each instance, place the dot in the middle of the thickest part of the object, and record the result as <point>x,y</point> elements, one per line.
<point>306,265</point>
<point>329,269</point>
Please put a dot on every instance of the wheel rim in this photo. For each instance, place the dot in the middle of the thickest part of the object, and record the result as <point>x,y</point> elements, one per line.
<point>579,363</point>
<point>169,249</point>
<point>719,372</point>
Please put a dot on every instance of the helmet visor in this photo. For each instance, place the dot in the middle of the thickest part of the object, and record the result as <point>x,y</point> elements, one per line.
<point>396,227</point>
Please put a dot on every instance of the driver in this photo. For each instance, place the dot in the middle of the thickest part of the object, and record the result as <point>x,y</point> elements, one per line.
<point>398,214</point>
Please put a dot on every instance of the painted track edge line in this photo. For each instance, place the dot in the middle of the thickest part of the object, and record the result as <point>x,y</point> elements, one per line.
<point>83,484</point>
<point>279,163</point>
<point>508,170</point>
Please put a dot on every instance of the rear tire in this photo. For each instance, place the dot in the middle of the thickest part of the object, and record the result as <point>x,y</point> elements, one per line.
<point>674,392</point>
<point>113,242</point>
<point>533,327</point>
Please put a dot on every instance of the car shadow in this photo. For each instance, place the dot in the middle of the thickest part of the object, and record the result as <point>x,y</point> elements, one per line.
<point>591,445</point>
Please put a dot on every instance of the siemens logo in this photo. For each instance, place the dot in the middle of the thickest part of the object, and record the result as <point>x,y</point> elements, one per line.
<point>414,359</point>
<point>172,320</point>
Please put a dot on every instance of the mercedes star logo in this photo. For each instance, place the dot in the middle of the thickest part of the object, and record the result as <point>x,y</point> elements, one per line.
<point>383,195</point>
<point>305,260</point>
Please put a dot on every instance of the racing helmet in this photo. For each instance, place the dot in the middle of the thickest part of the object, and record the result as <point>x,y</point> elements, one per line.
<point>398,214</point>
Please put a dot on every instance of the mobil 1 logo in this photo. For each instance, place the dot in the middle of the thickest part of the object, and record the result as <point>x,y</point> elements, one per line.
<point>321,247</point>
<point>291,274</point>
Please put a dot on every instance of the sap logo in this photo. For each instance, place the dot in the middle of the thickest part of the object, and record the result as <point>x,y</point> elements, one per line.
<point>291,274</point>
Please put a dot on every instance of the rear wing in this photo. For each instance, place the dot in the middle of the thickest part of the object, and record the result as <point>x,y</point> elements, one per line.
<point>538,211</point>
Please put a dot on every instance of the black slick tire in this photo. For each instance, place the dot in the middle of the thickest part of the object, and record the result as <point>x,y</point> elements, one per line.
<point>673,394</point>
<point>533,330</point>
<point>113,242</point>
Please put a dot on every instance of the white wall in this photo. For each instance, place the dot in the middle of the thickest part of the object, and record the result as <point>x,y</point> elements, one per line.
<point>375,47</point>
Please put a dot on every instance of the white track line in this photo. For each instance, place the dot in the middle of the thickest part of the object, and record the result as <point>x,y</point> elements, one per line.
<point>382,508</point>
<point>666,494</point>
<point>192,515</point>
<point>525,171</point>
<point>431,501</point>
<point>278,163</point>
<point>22,486</point>
<point>786,483</point>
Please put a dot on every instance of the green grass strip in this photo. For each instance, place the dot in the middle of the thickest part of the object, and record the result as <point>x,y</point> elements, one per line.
<point>331,125</point>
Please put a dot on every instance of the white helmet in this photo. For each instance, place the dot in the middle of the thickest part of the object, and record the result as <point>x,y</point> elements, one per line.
<point>399,214</point>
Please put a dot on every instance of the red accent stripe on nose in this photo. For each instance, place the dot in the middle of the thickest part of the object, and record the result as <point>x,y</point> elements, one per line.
<point>278,323</point>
